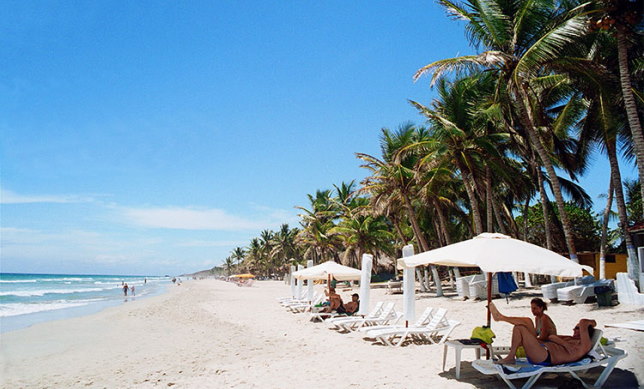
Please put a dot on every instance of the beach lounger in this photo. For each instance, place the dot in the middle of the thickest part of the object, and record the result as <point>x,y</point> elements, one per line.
<point>599,356</point>
<point>423,320</point>
<point>387,318</point>
<point>339,323</point>
<point>438,327</point>
<point>321,316</point>
<point>578,294</point>
<point>388,315</point>
<point>303,307</point>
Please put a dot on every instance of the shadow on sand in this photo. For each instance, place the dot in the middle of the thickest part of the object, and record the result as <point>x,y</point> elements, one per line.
<point>619,378</point>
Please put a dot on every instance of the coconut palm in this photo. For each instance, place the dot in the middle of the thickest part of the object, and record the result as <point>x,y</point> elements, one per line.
<point>622,17</point>
<point>521,39</point>
<point>394,176</point>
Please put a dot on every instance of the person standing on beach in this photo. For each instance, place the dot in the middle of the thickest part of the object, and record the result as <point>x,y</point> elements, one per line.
<point>132,290</point>
<point>125,288</point>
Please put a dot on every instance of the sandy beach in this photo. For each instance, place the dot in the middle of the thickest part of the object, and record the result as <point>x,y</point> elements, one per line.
<point>213,334</point>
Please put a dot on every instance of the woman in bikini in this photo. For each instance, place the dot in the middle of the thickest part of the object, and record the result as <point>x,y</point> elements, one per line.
<point>557,349</point>
<point>543,325</point>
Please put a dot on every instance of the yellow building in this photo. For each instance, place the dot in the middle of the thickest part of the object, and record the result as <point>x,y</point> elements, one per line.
<point>615,263</point>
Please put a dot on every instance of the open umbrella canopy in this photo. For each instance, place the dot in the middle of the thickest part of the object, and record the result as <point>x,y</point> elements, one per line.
<point>498,253</point>
<point>245,275</point>
<point>326,269</point>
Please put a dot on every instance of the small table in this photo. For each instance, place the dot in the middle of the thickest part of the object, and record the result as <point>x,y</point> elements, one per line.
<point>458,347</point>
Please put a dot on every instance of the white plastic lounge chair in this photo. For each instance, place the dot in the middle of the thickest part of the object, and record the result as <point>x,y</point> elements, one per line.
<point>439,326</point>
<point>549,291</point>
<point>387,317</point>
<point>291,298</point>
<point>339,323</point>
<point>463,285</point>
<point>422,320</point>
<point>303,307</point>
<point>578,294</point>
<point>598,356</point>
<point>322,316</point>
<point>478,289</point>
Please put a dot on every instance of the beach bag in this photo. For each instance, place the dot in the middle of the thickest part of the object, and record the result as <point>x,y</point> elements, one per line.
<point>484,334</point>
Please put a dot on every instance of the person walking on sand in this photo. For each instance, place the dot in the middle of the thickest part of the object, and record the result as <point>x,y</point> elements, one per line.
<point>543,325</point>
<point>125,288</point>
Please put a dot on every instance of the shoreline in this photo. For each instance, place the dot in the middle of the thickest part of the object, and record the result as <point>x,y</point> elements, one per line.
<point>213,334</point>
<point>18,322</point>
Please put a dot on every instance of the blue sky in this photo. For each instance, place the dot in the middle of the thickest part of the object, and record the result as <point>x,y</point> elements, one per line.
<point>154,137</point>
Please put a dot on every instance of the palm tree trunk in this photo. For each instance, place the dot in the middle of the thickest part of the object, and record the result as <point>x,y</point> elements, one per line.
<point>422,242</point>
<point>401,235</point>
<point>546,215</point>
<point>526,207</point>
<point>442,223</point>
<point>476,213</point>
<point>488,196</point>
<point>498,216</point>
<point>633,262</point>
<point>629,104</point>
<point>544,208</point>
<point>604,238</point>
<point>547,163</point>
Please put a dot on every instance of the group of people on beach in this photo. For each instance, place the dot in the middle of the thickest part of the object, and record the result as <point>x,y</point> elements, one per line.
<point>335,303</point>
<point>542,345</point>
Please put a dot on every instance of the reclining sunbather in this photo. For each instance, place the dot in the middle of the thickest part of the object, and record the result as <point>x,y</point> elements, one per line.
<point>351,307</point>
<point>556,350</point>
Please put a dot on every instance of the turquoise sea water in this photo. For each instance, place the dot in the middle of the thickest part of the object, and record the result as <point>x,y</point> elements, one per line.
<point>26,299</point>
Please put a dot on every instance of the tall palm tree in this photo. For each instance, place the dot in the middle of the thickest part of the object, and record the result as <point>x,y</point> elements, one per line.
<point>394,175</point>
<point>229,265</point>
<point>521,39</point>
<point>238,254</point>
<point>460,138</point>
<point>622,18</point>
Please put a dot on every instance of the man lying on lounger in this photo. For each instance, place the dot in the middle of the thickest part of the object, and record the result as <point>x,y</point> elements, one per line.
<point>556,350</point>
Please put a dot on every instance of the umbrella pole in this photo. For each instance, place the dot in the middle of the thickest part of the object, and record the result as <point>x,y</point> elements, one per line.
<point>489,314</point>
<point>489,298</point>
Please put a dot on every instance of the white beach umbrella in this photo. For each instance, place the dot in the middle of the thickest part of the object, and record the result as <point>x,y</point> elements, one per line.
<point>299,282</point>
<point>409,287</point>
<point>309,283</point>
<point>292,280</point>
<point>327,270</point>
<point>365,283</point>
<point>498,253</point>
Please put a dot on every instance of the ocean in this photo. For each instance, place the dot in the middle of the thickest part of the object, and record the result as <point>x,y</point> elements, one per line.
<point>26,299</point>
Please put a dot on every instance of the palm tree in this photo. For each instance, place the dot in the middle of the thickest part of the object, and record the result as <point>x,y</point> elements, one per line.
<point>622,18</point>
<point>522,38</point>
<point>363,234</point>
<point>229,265</point>
<point>238,254</point>
<point>460,137</point>
<point>394,175</point>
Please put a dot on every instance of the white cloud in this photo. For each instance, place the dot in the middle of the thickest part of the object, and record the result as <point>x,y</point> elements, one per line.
<point>9,197</point>
<point>196,219</point>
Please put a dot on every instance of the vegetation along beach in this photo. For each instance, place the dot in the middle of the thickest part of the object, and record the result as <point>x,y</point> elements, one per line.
<point>333,194</point>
